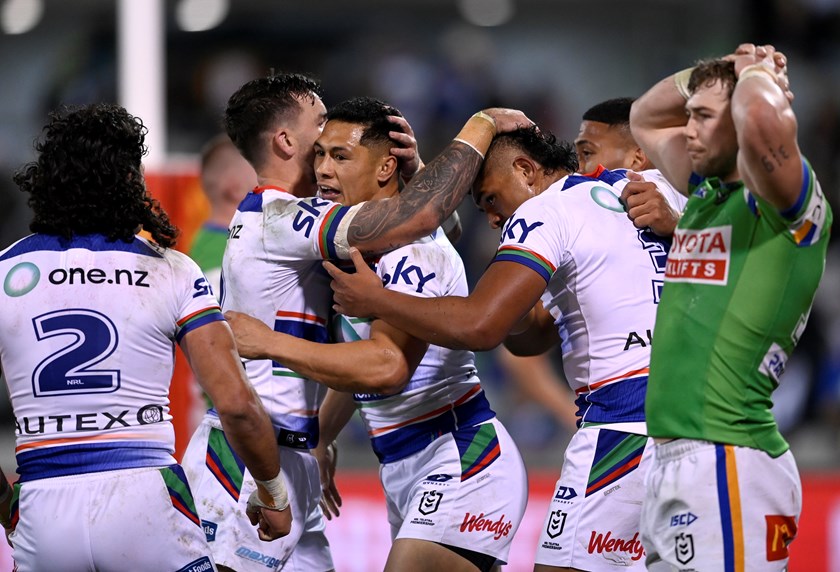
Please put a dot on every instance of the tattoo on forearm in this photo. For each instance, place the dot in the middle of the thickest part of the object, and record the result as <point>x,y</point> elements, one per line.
<point>438,189</point>
<point>775,158</point>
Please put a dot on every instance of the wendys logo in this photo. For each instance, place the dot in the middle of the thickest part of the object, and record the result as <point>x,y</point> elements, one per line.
<point>602,543</point>
<point>477,523</point>
<point>700,256</point>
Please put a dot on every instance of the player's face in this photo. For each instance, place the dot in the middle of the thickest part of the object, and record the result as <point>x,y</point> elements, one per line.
<point>711,140</point>
<point>499,192</point>
<point>308,128</point>
<point>346,170</point>
<point>601,144</point>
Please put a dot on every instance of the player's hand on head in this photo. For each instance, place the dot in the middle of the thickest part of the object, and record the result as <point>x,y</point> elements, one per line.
<point>508,120</point>
<point>406,151</point>
<point>354,294</point>
<point>250,334</point>
<point>647,207</point>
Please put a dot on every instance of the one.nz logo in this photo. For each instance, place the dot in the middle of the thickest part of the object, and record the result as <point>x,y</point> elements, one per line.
<point>684,547</point>
<point>556,522</point>
<point>429,502</point>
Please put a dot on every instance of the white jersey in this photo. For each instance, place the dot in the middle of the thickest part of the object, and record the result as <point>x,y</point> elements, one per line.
<point>272,270</point>
<point>87,337</point>
<point>444,391</point>
<point>604,278</point>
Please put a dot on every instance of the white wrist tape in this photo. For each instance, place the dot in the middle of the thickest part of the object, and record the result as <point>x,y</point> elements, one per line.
<point>276,487</point>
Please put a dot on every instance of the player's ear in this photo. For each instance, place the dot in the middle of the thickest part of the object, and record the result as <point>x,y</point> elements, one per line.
<point>639,161</point>
<point>387,168</point>
<point>283,143</point>
<point>525,166</point>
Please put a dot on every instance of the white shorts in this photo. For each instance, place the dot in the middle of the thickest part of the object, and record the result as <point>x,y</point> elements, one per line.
<point>466,489</point>
<point>720,507</point>
<point>221,486</point>
<point>593,519</point>
<point>130,519</point>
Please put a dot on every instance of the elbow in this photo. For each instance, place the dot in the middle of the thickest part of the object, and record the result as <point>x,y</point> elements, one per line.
<point>480,336</point>
<point>389,375</point>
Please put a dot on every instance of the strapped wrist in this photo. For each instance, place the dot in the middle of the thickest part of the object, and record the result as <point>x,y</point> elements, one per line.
<point>276,488</point>
<point>756,70</point>
<point>681,79</point>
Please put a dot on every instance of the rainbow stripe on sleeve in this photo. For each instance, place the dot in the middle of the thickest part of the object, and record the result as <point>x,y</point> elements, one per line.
<point>326,234</point>
<point>198,319</point>
<point>527,258</point>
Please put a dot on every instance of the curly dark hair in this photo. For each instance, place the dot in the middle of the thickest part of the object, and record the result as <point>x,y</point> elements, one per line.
<point>370,112</point>
<point>707,72</point>
<point>87,178</point>
<point>259,105</point>
<point>541,146</point>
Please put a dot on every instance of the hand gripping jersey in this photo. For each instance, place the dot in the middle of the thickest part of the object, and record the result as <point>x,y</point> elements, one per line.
<point>272,271</point>
<point>741,279</point>
<point>87,338</point>
<point>444,393</point>
<point>603,282</point>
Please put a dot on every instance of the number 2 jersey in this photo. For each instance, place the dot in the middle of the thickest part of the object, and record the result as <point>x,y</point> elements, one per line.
<point>603,281</point>
<point>444,392</point>
<point>87,337</point>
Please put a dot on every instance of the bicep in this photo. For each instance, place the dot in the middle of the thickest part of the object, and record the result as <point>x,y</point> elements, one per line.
<point>769,159</point>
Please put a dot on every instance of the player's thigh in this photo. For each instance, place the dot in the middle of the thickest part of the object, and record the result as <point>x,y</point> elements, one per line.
<point>412,555</point>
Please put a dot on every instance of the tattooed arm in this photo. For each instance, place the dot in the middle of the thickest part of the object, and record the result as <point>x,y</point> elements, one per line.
<point>435,192</point>
<point>769,160</point>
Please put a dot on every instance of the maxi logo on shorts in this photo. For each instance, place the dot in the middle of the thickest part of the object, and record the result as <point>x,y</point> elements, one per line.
<point>248,554</point>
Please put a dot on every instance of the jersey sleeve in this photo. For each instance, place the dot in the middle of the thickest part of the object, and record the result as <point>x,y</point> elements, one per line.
<point>533,237</point>
<point>195,303</point>
<point>809,220</point>
<point>307,229</point>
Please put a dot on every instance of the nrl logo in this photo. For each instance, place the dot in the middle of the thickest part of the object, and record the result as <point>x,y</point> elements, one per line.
<point>556,522</point>
<point>429,502</point>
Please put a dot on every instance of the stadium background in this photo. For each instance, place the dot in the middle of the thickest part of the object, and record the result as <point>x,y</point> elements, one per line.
<point>438,61</point>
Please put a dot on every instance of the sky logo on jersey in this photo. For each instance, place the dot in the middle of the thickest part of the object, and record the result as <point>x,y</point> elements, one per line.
<point>700,256</point>
<point>405,274</point>
<point>518,229</point>
<point>21,279</point>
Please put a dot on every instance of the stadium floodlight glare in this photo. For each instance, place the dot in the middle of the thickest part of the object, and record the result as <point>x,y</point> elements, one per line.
<point>20,16</point>
<point>200,15</point>
<point>486,13</point>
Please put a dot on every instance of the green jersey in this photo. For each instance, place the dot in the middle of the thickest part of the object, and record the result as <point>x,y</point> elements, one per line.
<point>739,284</point>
